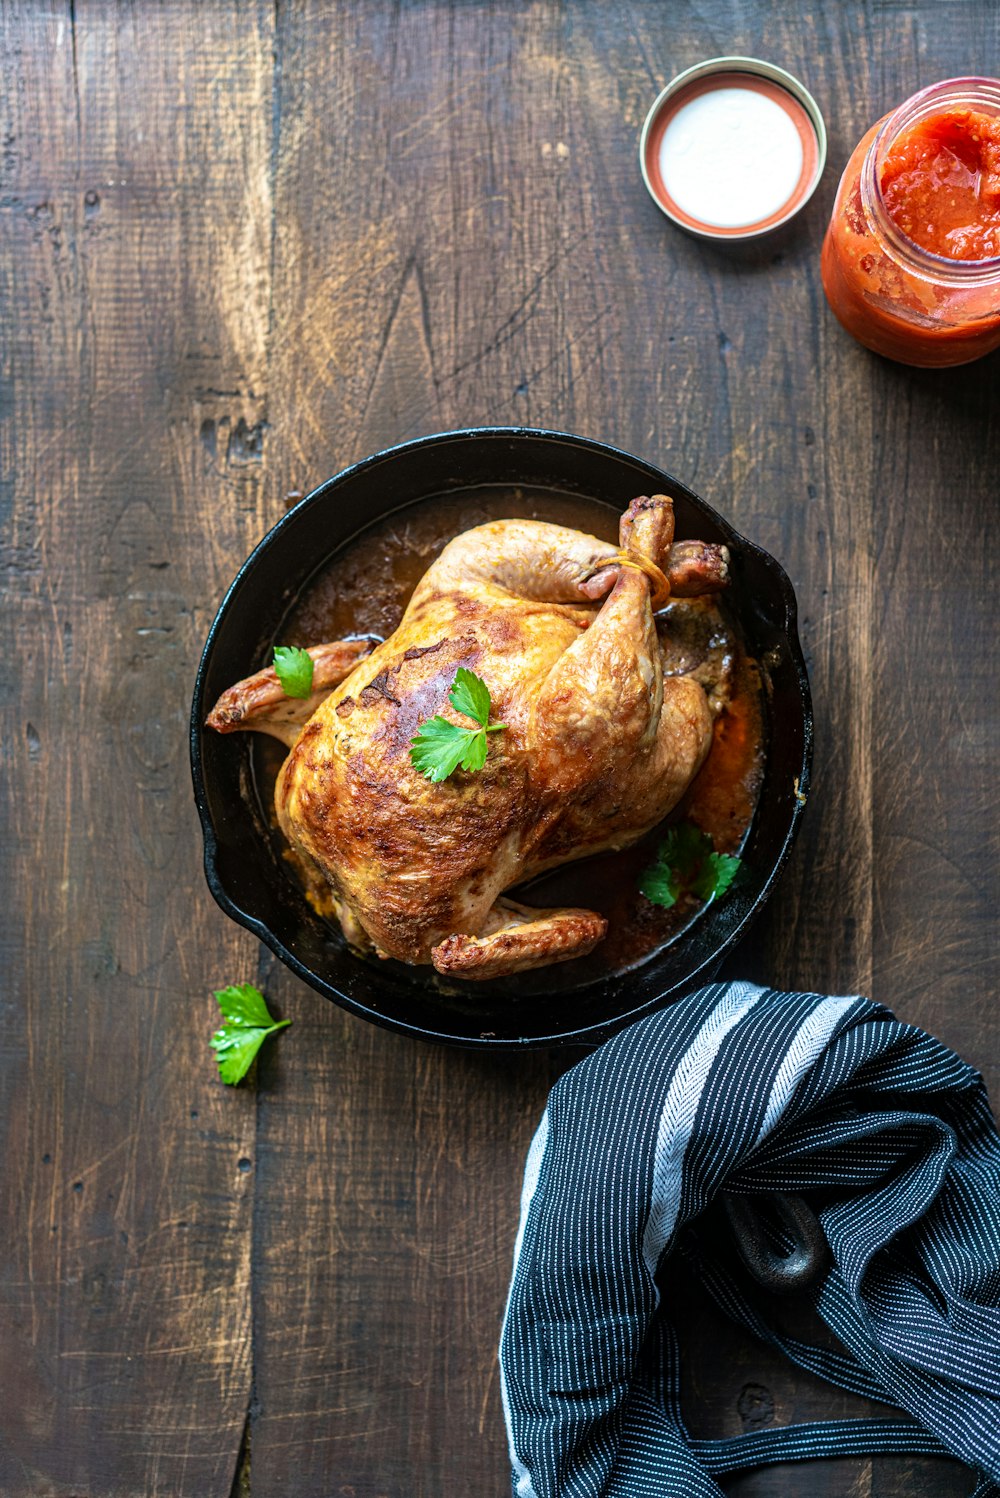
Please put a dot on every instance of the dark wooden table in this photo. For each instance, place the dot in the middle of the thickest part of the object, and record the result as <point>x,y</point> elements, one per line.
<point>244,245</point>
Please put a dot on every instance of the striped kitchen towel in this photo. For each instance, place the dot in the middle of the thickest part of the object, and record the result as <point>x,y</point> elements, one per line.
<point>887,1135</point>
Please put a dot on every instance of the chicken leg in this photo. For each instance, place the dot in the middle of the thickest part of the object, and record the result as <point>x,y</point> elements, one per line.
<point>517,937</point>
<point>260,704</point>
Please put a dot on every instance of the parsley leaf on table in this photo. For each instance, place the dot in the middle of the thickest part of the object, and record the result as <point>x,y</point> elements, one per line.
<point>294,669</point>
<point>247,1024</point>
<point>687,863</point>
<point>440,747</point>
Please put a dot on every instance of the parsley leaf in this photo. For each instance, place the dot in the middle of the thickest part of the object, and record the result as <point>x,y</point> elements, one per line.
<point>470,695</point>
<point>715,876</point>
<point>687,863</point>
<point>294,668</point>
<point>684,845</point>
<point>247,1024</point>
<point>439,747</point>
<point>660,884</point>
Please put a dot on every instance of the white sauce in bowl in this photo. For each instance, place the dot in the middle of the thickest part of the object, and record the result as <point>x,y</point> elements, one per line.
<point>731,157</point>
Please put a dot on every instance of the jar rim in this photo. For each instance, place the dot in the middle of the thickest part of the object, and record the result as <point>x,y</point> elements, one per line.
<point>976,91</point>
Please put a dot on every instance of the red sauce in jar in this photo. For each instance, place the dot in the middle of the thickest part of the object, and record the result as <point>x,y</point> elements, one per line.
<point>941,184</point>
<point>911,259</point>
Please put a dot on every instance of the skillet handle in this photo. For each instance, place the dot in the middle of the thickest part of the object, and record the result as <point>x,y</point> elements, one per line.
<point>810,1254</point>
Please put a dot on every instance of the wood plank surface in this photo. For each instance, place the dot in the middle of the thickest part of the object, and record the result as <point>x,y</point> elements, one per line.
<point>244,245</point>
<point>136,251</point>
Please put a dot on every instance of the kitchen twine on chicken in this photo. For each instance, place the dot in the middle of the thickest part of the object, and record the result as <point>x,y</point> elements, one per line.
<point>660,591</point>
<point>889,1137</point>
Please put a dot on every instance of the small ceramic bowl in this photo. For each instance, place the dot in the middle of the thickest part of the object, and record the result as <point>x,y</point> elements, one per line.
<point>243,858</point>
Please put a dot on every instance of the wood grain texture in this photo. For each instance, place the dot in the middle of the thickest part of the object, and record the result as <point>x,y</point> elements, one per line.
<point>242,246</point>
<point>136,249</point>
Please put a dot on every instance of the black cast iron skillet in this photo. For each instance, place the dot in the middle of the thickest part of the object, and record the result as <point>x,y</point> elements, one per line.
<point>243,861</point>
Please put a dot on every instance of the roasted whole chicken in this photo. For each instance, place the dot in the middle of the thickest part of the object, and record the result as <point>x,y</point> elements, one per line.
<point>598,743</point>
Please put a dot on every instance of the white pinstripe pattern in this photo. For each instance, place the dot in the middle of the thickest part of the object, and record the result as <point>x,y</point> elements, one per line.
<point>678,1115</point>
<point>532,1174</point>
<point>801,1055</point>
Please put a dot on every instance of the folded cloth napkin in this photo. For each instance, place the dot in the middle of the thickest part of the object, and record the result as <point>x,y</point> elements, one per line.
<point>887,1135</point>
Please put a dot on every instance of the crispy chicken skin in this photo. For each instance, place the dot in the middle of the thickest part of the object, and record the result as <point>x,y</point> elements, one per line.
<point>598,746</point>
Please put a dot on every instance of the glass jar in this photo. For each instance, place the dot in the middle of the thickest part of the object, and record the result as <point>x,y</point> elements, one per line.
<point>893,295</point>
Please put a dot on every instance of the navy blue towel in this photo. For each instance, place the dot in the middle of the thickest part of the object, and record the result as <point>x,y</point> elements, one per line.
<point>888,1136</point>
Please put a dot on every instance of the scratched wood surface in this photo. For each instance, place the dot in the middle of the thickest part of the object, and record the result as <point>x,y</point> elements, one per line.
<point>242,246</point>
